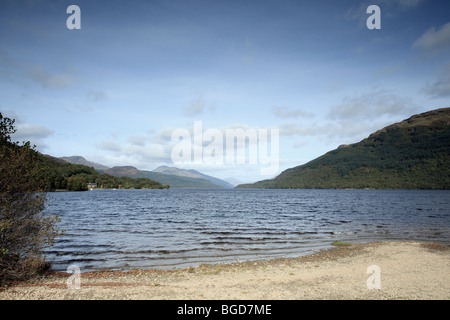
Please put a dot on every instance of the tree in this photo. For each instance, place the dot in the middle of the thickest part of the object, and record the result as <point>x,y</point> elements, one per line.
<point>6,129</point>
<point>77,183</point>
<point>25,228</point>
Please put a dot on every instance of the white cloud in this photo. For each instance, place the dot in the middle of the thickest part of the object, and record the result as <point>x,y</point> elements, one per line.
<point>434,41</point>
<point>109,145</point>
<point>441,87</point>
<point>138,140</point>
<point>48,80</point>
<point>32,130</point>
<point>149,151</point>
<point>196,107</point>
<point>291,129</point>
<point>161,137</point>
<point>372,105</point>
<point>34,133</point>
<point>353,119</point>
<point>38,73</point>
<point>145,156</point>
<point>336,130</point>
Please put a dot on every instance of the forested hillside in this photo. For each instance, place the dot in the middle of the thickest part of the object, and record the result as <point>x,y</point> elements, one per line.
<point>50,173</point>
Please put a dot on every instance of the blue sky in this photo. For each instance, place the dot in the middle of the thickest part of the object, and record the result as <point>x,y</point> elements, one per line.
<point>116,89</point>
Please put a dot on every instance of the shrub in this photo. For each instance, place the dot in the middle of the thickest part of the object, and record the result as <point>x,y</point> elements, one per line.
<point>25,229</point>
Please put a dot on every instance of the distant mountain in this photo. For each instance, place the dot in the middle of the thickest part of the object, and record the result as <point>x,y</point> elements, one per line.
<point>177,172</point>
<point>123,171</point>
<point>84,162</point>
<point>175,177</point>
<point>412,154</point>
<point>233,181</point>
<point>193,174</point>
<point>175,181</point>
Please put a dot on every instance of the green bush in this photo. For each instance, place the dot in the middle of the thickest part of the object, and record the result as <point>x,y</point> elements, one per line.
<point>25,229</point>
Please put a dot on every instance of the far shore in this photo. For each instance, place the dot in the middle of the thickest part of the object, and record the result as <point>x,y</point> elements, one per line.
<point>65,190</point>
<point>375,270</point>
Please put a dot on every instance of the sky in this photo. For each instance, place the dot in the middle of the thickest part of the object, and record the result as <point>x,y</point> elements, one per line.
<point>116,90</point>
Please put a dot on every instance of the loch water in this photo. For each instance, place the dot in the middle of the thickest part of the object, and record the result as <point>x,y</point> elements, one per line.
<point>178,228</point>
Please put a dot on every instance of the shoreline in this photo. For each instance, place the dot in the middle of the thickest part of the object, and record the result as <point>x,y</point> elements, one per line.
<point>406,270</point>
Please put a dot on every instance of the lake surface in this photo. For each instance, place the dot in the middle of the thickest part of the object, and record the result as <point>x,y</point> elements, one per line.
<point>177,228</point>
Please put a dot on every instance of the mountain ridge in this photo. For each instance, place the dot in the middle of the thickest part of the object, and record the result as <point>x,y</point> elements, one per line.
<point>168,179</point>
<point>175,177</point>
<point>81,160</point>
<point>193,174</point>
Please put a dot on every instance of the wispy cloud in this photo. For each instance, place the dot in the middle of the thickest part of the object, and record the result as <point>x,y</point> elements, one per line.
<point>31,71</point>
<point>434,41</point>
<point>147,151</point>
<point>354,118</point>
<point>138,140</point>
<point>198,106</point>
<point>96,96</point>
<point>34,133</point>
<point>371,105</point>
<point>109,145</point>
<point>340,131</point>
<point>408,3</point>
<point>47,79</point>
<point>441,87</point>
<point>283,112</point>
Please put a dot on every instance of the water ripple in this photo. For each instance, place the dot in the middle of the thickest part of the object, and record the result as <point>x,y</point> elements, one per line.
<point>123,229</point>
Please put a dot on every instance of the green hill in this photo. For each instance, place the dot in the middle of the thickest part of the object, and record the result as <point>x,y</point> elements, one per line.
<point>412,154</point>
<point>60,175</point>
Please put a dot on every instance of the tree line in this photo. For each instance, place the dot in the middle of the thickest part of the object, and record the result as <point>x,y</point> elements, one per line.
<point>75,177</point>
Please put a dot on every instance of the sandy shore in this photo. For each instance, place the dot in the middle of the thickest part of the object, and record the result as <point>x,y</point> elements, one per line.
<point>406,270</point>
